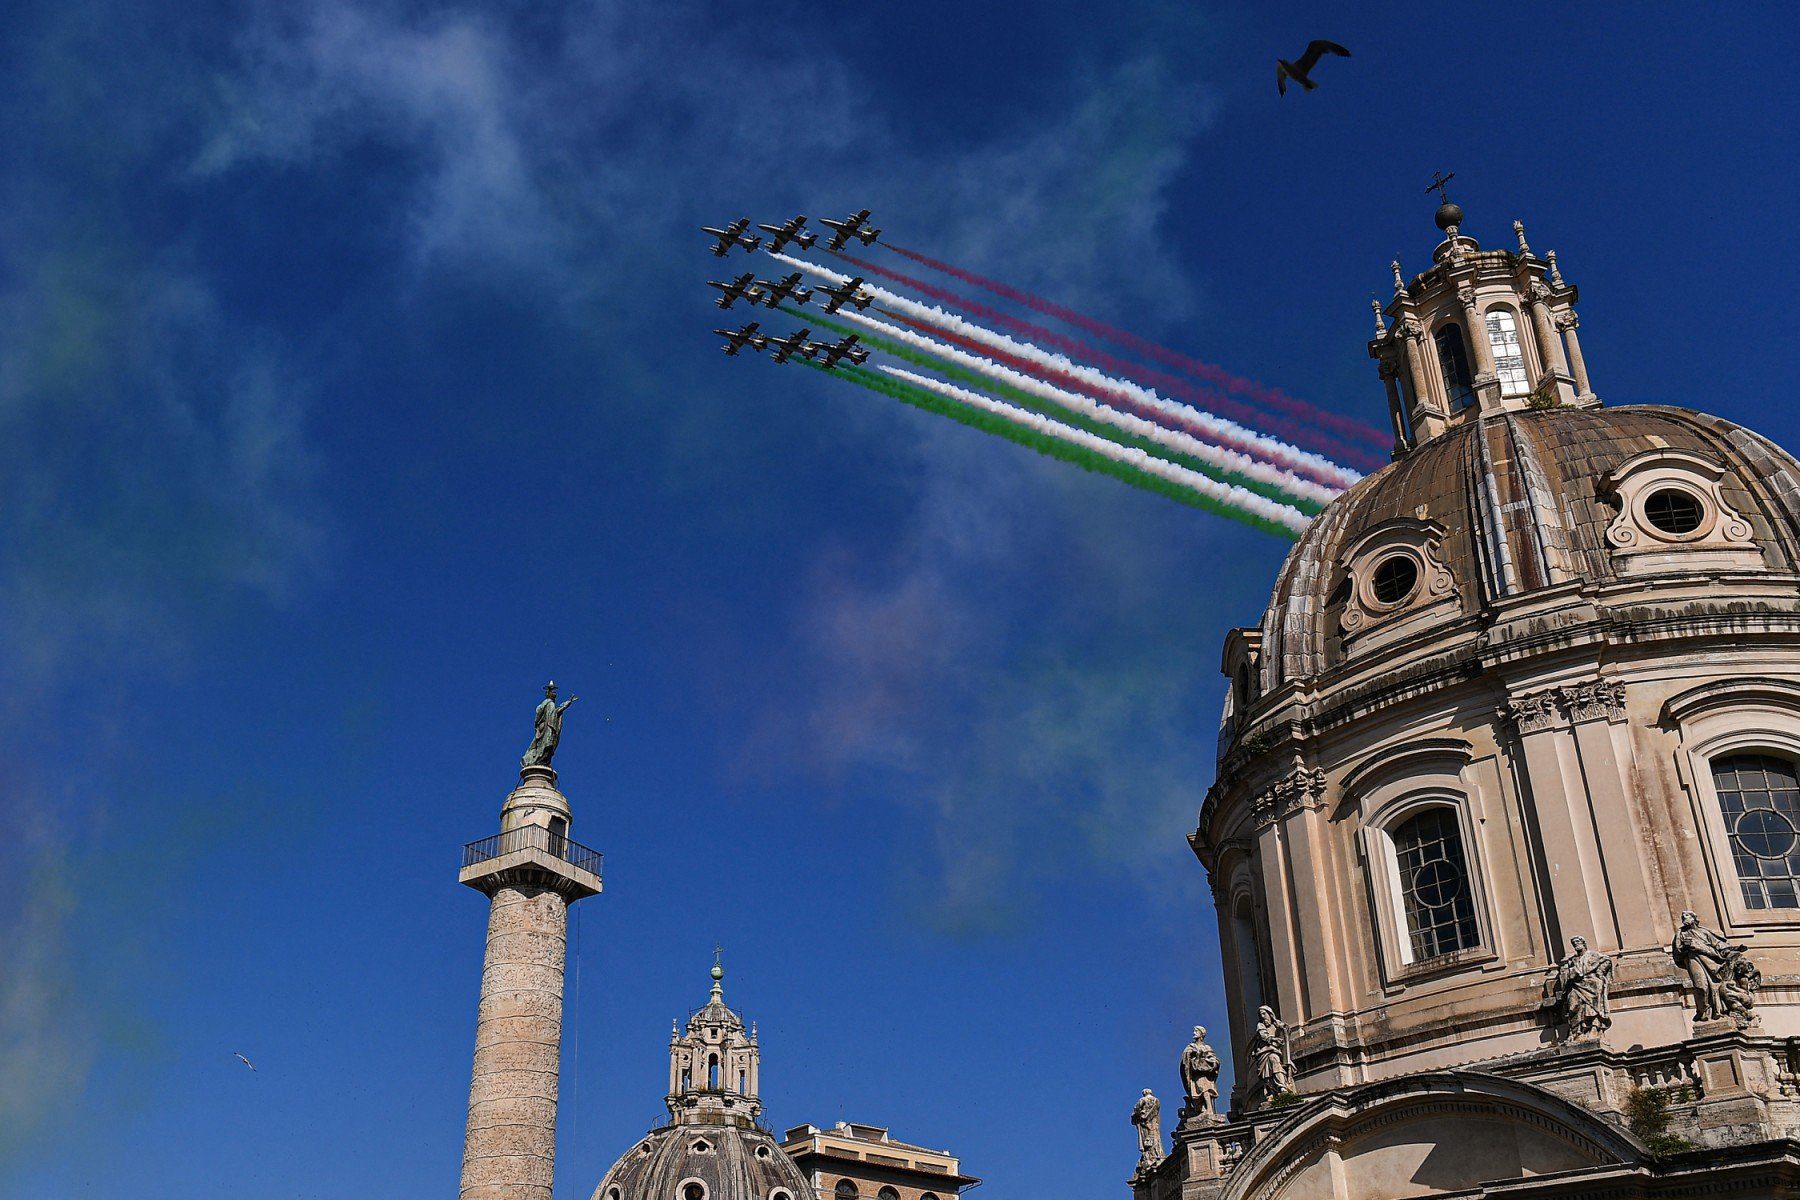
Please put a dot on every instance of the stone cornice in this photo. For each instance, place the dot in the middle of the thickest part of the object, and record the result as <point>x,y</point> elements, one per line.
<point>1284,722</point>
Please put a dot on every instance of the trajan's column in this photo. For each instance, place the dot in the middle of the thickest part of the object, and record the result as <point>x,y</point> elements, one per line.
<point>531,872</point>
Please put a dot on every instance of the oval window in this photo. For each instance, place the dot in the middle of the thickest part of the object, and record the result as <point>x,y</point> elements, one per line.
<point>1394,578</point>
<point>1674,511</point>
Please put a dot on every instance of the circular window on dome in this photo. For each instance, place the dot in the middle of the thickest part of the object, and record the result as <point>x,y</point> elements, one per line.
<point>781,1194</point>
<point>762,1152</point>
<point>693,1189</point>
<point>1674,511</point>
<point>1394,579</point>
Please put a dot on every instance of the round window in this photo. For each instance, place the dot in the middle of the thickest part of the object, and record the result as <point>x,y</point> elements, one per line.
<point>1765,833</point>
<point>693,1191</point>
<point>1674,511</point>
<point>1394,579</point>
<point>1437,883</point>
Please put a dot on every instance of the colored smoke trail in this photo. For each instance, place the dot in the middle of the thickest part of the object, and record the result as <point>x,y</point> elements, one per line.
<point>1026,399</point>
<point>1273,397</point>
<point>1249,503</point>
<point>1296,430</point>
<point>1289,482</point>
<point>1053,446</point>
<point>1168,439</point>
<point>1214,427</point>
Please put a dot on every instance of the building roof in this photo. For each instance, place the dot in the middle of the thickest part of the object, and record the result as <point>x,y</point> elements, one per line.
<point>850,1142</point>
<point>1520,501</point>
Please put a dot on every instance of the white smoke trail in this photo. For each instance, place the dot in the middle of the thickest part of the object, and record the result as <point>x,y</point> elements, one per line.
<point>1274,449</point>
<point>1223,493</point>
<point>1223,458</point>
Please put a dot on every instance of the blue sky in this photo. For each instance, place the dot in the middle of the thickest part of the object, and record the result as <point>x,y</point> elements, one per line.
<point>354,379</point>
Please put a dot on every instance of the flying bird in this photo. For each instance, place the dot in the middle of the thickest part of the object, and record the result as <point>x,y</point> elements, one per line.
<point>1300,71</point>
<point>243,1060</point>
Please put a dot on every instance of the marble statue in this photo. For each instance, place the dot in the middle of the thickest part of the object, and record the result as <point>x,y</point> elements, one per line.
<point>1270,1059</point>
<point>546,729</point>
<point>1199,1076</point>
<point>1715,967</point>
<point>1580,989</point>
<point>1146,1114</point>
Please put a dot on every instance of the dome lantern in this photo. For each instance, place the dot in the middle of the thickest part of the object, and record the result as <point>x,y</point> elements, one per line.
<point>1480,332</point>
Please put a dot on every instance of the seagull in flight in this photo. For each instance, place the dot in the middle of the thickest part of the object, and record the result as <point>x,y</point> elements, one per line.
<point>1300,71</point>
<point>243,1060</point>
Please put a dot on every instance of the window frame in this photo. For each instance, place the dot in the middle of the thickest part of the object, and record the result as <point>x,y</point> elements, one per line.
<point>1388,789</point>
<point>1518,328</point>
<point>1750,715</point>
<point>1458,397</point>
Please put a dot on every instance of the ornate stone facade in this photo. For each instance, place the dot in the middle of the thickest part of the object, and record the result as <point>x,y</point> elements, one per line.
<point>1455,836</point>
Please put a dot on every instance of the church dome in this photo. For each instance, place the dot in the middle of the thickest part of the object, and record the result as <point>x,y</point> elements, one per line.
<point>713,1148</point>
<point>705,1162</point>
<point>1491,511</point>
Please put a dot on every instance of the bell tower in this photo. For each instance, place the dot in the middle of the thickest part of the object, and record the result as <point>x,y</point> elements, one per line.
<point>713,1066</point>
<point>531,871</point>
<point>1479,332</point>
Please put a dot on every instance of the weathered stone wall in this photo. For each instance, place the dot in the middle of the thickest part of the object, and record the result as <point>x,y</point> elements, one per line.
<point>509,1150</point>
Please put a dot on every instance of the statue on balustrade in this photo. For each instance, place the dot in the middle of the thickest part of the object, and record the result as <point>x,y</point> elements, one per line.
<point>1199,1078</point>
<point>1725,981</point>
<point>1579,989</point>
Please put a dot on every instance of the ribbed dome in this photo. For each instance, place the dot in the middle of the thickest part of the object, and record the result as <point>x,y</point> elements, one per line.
<point>731,1162</point>
<point>1523,502</point>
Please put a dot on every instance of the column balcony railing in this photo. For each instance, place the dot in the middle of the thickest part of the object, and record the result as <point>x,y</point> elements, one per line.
<point>532,837</point>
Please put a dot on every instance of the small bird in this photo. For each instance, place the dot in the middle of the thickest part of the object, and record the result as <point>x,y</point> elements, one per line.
<point>1299,72</point>
<point>243,1060</point>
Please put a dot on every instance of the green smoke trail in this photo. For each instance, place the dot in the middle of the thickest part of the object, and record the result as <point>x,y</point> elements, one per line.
<point>1058,413</point>
<point>1044,444</point>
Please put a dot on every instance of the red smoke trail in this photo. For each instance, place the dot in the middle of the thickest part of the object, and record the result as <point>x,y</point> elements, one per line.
<point>1272,397</point>
<point>1075,384</point>
<point>1302,434</point>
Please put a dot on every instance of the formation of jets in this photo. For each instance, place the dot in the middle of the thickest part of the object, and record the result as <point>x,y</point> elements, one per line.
<point>827,355</point>
<point>856,225</point>
<point>774,293</point>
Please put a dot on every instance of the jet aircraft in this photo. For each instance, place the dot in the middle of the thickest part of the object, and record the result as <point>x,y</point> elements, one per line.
<point>788,231</point>
<point>854,226</point>
<point>772,294</point>
<point>732,235</point>
<point>740,288</point>
<point>737,339</point>
<point>792,344</point>
<point>839,351</point>
<point>847,294</point>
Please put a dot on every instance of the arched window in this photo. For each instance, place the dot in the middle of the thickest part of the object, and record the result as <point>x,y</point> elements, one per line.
<point>887,1193</point>
<point>1454,360</point>
<point>1509,360</point>
<point>845,1190</point>
<point>1434,883</point>
<point>1759,797</point>
<point>712,1072</point>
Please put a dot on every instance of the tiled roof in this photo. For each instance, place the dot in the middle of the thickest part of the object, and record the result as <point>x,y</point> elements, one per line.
<point>1517,494</point>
